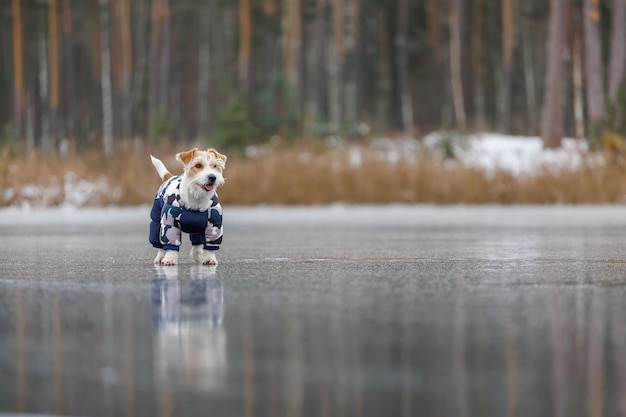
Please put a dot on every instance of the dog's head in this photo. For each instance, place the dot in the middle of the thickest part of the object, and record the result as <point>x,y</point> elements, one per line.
<point>203,169</point>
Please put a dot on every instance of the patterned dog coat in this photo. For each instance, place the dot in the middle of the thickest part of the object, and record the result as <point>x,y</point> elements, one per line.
<point>169,218</point>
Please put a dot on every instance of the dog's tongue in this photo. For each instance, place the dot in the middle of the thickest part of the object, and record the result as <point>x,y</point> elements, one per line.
<point>208,187</point>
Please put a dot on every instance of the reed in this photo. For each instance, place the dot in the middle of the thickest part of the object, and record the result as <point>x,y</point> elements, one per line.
<point>299,176</point>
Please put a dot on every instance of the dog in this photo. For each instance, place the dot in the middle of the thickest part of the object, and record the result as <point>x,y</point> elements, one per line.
<point>188,203</point>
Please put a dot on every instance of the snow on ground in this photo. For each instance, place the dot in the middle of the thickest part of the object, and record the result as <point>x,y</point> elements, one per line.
<point>518,155</point>
<point>71,192</point>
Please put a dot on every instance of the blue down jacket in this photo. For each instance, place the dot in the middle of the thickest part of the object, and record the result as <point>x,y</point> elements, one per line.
<point>169,218</point>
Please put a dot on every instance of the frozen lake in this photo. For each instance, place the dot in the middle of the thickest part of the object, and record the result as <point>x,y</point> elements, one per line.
<point>325,311</point>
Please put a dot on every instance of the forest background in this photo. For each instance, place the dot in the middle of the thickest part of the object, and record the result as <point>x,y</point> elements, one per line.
<point>290,88</point>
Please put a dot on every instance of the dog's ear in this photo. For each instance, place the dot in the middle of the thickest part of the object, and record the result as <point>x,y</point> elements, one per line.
<point>217,155</point>
<point>187,156</point>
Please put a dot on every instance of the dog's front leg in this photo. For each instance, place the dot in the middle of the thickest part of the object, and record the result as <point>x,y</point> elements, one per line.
<point>170,258</point>
<point>196,253</point>
<point>159,256</point>
<point>203,256</point>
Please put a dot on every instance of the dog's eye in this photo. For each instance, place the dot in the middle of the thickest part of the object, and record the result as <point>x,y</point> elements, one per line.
<point>198,165</point>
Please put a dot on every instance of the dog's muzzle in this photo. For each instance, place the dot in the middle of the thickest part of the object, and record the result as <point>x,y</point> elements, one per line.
<point>210,183</point>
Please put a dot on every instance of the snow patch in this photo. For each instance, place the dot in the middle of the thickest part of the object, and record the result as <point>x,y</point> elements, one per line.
<point>72,192</point>
<point>518,155</point>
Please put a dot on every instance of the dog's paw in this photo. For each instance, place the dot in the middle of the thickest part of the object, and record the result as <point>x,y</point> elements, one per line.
<point>196,253</point>
<point>159,257</point>
<point>209,258</point>
<point>170,258</point>
<point>203,256</point>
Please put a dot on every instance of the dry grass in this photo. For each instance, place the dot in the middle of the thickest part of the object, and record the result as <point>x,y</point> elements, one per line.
<point>298,176</point>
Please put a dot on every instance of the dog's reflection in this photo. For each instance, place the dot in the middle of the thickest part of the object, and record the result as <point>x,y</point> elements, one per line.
<point>190,345</point>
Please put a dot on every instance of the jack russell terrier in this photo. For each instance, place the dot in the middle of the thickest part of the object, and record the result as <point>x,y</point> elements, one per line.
<point>188,203</point>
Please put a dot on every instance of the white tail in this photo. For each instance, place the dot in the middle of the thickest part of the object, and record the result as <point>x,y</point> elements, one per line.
<point>162,171</point>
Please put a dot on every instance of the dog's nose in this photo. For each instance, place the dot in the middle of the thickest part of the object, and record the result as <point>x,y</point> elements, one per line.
<point>212,178</point>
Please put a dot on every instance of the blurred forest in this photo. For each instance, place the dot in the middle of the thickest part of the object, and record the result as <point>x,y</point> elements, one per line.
<point>87,74</point>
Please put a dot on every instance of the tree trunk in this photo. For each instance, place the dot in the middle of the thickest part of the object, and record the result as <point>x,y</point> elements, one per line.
<point>594,69</point>
<point>245,36</point>
<point>618,51</point>
<point>105,80</point>
<point>577,78</point>
<point>18,69</point>
<point>205,68</point>
<point>292,31</point>
<point>71,117</point>
<point>434,30</point>
<point>53,39</point>
<point>552,114</point>
<point>269,7</point>
<point>353,56</point>
<point>44,86</point>
<point>139,103</point>
<point>165,61</point>
<point>383,79</point>
<point>188,120</point>
<point>404,85</point>
<point>478,69</point>
<point>530,84</point>
<point>335,66</point>
<point>456,71</point>
<point>160,64</point>
<point>321,111</point>
<point>126,44</point>
<point>507,65</point>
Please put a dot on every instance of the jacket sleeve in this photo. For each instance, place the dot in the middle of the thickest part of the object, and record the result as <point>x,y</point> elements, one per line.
<point>214,231</point>
<point>155,223</point>
<point>170,227</point>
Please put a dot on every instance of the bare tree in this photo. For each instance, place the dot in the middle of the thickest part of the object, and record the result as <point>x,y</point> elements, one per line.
<point>578,76</point>
<point>618,49</point>
<point>43,81</point>
<point>292,32</point>
<point>384,73</point>
<point>434,29</point>
<point>70,118</point>
<point>478,68</point>
<point>18,68</point>
<point>336,64</point>
<point>507,64</point>
<point>126,45</point>
<point>205,69</point>
<point>552,114</point>
<point>139,22</point>
<point>160,62</point>
<point>456,71</point>
<point>321,110</point>
<point>352,72</point>
<point>594,68</point>
<point>406,104</point>
<point>530,83</point>
<point>245,37</point>
<point>105,80</point>
<point>53,45</point>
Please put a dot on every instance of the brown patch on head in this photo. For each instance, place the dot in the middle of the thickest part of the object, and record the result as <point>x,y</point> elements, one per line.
<point>186,156</point>
<point>216,159</point>
<point>195,161</point>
